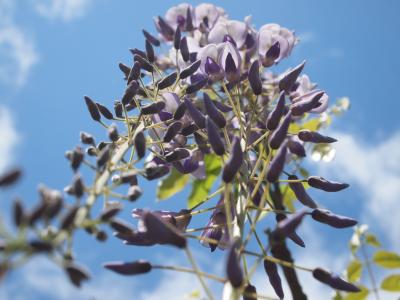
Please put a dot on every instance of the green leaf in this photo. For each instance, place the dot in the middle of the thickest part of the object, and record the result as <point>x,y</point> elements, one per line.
<point>312,125</point>
<point>362,295</point>
<point>372,240</point>
<point>391,283</point>
<point>386,259</point>
<point>202,187</point>
<point>171,185</point>
<point>354,270</point>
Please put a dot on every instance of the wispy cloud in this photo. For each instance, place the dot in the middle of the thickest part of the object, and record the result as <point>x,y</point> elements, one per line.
<point>66,10</point>
<point>9,138</point>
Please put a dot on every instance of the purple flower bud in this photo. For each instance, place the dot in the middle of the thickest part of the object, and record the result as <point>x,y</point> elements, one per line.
<point>272,54</point>
<point>158,230</point>
<point>222,107</point>
<point>37,213</point>
<point>129,268</point>
<point>129,177</point>
<point>134,193</point>
<point>327,217</point>
<point>155,172</point>
<point>289,79</point>
<point>276,114</point>
<point>217,219</point>
<point>136,51</point>
<point>234,163</point>
<point>153,40</point>
<point>334,281</point>
<point>228,38</point>
<point>306,104</point>
<point>325,185</point>
<point>233,269</point>
<point>177,38</point>
<point>140,144</point>
<point>180,111</point>
<point>213,112</point>
<point>167,81</point>
<point>279,134</point>
<point>121,226</point>
<point>134,74</point>
<point>277,163</point>
<point>214,137</point>
<point>153,108</point>
<point>183,46</point>
<point>109,213</point>
<point>93,110</point>
<point>144,63</point>
<point>274,278</point>
<point>289,225</point>
<point>231,70</point>
<point>254,78</point>
<point>40,246</point>
<point>69,218</point>
<point>250,292</point>
<point>130,92</point>
<point>18,212</point>
<point>188,130</point>
<point>172,131</point>
<point>164,28</point>
<point>104,111</point>
<point>177,154</point>
<point>124,69</point>
<point>149,51</point>
<point>196,86</point>
<point>76,274</point>
<point>190,70</point>
<point>211,67</point>
<point>300,192</point>
<point>293,236</point>
<point>201,142</point>
<point>79,187</point>
<point>197,116</point>
<point>113,133</point>
<point>314,137</point>
<point>118,110</point>
<point>296,148</point>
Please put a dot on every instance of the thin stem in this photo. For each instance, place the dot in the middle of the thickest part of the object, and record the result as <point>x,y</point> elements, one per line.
<point>191,271</point>
<point>370,273</point>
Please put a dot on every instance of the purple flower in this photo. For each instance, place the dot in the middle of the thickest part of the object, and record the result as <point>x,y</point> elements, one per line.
<point>229,29</point>
<point>176,15</point>
<point>269,34</point>
<point>207,14</point>
<point>316,101</point>
<point>209,56</point>
<point>230,61</point>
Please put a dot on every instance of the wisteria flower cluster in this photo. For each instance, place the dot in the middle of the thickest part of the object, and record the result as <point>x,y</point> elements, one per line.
<point>208,112</point>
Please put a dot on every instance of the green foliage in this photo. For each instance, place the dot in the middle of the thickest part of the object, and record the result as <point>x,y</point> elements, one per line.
<point>391,283</point>
<point>171,185</point>
<point>386,259</point>
<point>202,187</point>
<point>372,240</point>
<point>358,296</point>
<point>354,270</point>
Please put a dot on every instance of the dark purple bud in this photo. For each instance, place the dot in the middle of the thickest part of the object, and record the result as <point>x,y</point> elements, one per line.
<point>131,268</point>
<point>101,236</point>
<point>130,92</point>
<point>134,193</point>
<point>277,163</point>
<point>149,51</point>
<point>144,63</point>
<point>177,38</point>
<point>300,192</point>
<point>293,236</point>
<point>289,79</point>
<point>233,269</point>
<point>109,214</point>
<point>162,232</point>
<point>10,177</point>
<point>302,106</point>
<point>234,163</point>
<point>190,70</point>
<point>124,69</point>
<point>121,226</point>
<point>93,110</point>
<point>213,112</point>
<point>231,70</point>
<point>276,114</point>
<point>222,107</point>
<point>180,111</point>
<point>155,172</point>
<point>69,218</point>
<point>164,28</point>
<point>153,108</point>
<point>76,158</point>
<point>153,40</point>
<point>327,217</point>
<point>198,85</point>
<point>118,110</point>
<point>274,278</point>
<point>288,226</point>
<point>211,67</point>
<point>189,20</point>
<point>214,137</point>
<point>105,111</point>
<point>296,148</point>
<point>279,134</point>
<point>272,54</point>
<point>197,116</point>
<point>167,81</point>
<point>214,235</point>
<point>172,131</point>
<point>201,142</point>
<point>76,274</point>
<point>254,78</point>
<point>138,52</point>
<point>188,130</point>
<point>177,154</point>
<point>250,41</point>
<point>183,46</point>
<point>37,213</point>
<point>334,281</point>
<point>103,157</point>
<point>78,186</point>
<point>40,246</point>
<point>325,185</point>
<point>228,38</point>
<point>91,151</point>
<point>18,211</point>
<point>250,292</point>
<point>113,133</point>
<point>314,137</point>
<point>140,144</point>
<point>135,72</point>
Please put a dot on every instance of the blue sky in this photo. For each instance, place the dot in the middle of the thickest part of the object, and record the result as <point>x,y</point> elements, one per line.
<point>53,52</point>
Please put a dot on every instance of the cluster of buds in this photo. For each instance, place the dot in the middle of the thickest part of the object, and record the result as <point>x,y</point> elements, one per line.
<point>213,96</point>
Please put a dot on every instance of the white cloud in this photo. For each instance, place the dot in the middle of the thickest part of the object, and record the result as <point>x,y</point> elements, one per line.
<point>8,138</point>
<point>375,170</point>
<point>65,10</point>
